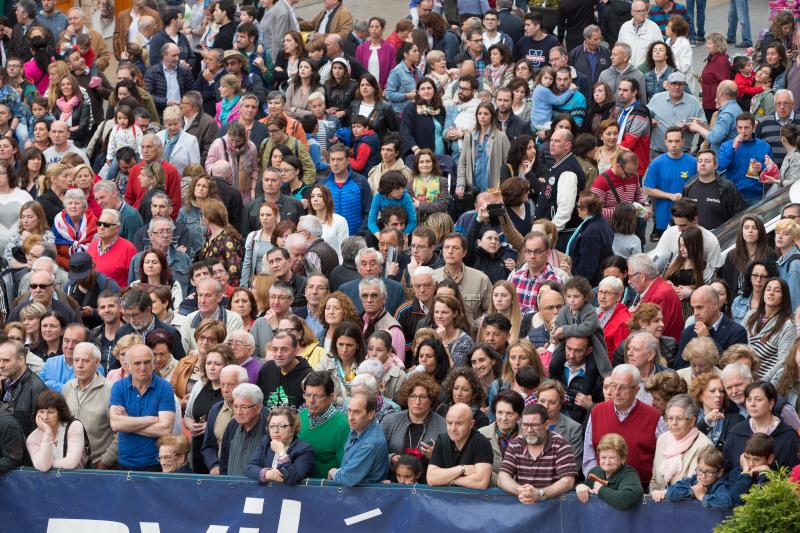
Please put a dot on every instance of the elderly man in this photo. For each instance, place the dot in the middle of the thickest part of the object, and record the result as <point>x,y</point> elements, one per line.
<point>160,207</point>
<point>613,314</point>
<point>152,151</point>
<point>557,197</point>
<point>643,353</point>
<point>415,311</point>
<point>366,455</point>
<point>137,311</point>
<point>717,198</point>
<point>709,321</point>
<point>167,80</point>
<point>724,128</point>
<point>244,346</point>
<point>317,288</point>
<point>280,306</point>
<point>769,128</point>
<point>77,26</point>
<point>88,396</point>
<point>112,254</point>
<point>288,207</point>
<point>107,195</point>
<point>142,410</point>
<point>736,377</point>
<point>529,277</point>
<point>198,123</point>
<point>580,377</point>
<point>671,107</point>
<point>209,296</point>
<point>127,24</point>
<point>742,159</point>
<point>622,68</point>
<point>207,82</point>
<point>59,369</point>
<point>160,230</point>
<point>244,432</point>
<point>42,285</point>
<point>372,292</point>
<point>539,464</point>
<point>638,423</point>
<point>281,377</point>
<point>59,136</point>
<point>644,277</point>
<point>369,264</point>
<point>220,415</point>
<point>295,244</point>
<point>319,256</point>
<point>461,456</point>
<point>19,387</point>
<point>549,302</point>
<point>590,58</point>
<point>639,33</point>
<point>322,424</point>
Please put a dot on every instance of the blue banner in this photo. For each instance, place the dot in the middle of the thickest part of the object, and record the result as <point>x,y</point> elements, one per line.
<point>118,502</point>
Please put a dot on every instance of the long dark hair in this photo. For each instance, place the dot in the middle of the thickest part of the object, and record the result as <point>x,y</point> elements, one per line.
<point>651,64</point>
<point>769,266</point>
<point>436,101</point>
<point>349,329</point>
<point>41,53</point>
<point>791,372</point>
<point>166,273</point>
<point>314,82</point>
<point>693,241</point>
<point>494,125</point>
<point>516,153</point>
<point>741,257</point>
<point>754,323</point>
<point>442,360</point>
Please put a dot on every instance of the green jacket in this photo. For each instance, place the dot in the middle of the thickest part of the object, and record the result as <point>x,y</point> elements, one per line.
<point>624,490</point>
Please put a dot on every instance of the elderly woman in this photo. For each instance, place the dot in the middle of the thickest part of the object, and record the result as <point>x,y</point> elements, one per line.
<point>202,398</point>
<point>281,457</point>
<point>58,440</point>
<point>180,148</point>
<point>717,415</point>
<point>507,407</point>
<point>413,431</point>
<point>379,348</point>
<point>612,313</point>
<point>160,341</point>
<point>678,448</point>
<point>221,413</point>
<point>648,317</point>
<point>612,480</point>
<point>74,227</point>
<point>702,355</point>
<point>347,352</point>
<point>462,386</point>
<point>662,387</point>
<point>369,381</point>
<point>173,454</point>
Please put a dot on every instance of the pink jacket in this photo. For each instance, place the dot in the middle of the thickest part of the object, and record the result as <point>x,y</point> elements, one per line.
<point>232,116</point>
<point>218,151</point>
<point>387,58</point>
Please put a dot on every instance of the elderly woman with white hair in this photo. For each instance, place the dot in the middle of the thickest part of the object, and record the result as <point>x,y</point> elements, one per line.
<point>320,257</point>
<point>369,380</point>
<point>703,357</point>
<point>74,227</point>
<point>88,396</point>
<point>281,457</point>
<point>180,148</point>
<point>677,449</point>
<point>613,314</point>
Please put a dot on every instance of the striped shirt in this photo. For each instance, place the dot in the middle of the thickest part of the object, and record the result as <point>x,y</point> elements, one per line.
<point>555,461</point>
<point>770,346</point>
<point>661,17</point>
<point>629,190</point>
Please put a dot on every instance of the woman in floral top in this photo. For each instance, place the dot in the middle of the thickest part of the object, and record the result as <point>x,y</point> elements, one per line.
<point>223,241</point>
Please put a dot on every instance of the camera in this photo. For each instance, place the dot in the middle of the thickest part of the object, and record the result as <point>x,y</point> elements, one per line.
<point>495,212</point>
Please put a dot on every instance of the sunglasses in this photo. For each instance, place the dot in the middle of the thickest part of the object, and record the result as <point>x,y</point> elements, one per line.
<point>101,224</point>
<point>40,285</point>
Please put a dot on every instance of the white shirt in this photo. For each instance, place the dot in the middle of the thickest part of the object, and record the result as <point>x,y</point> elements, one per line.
<point>667,248</point>
<point>639,39</point>
<point>374,65</point>
<point>134,27</point>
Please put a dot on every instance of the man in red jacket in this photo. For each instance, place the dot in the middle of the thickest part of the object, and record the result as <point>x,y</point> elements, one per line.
<point>643,277</point>
<point>151,152</point>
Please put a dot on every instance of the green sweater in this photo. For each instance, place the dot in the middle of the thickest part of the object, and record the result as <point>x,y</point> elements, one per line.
<point>327,440</point>
<point>624,490</point>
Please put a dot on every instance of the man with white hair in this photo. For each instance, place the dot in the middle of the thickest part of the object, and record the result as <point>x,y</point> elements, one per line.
<point>243,345</point>
<point>415,311</point>
<point>220,415</point>
<point>644,277</point>
<point>88,396</point>
<point>639,33</point>
<point>643,353</point>
<point>76,19</point>
<point>58,369</point>
<point>160,232</point>
<point>152,400</point>
<point>209,296</point>
<point>161,207</point>
<point>369,380</point>
<point>112,254</point>
<point>612,313</point>
<point>369,264</point>
<point>44,262</point>
<point>296,245</point>
<point>152,151</point>
<point>59,136</point>
<point>638,423</point>
<point>107,195</point>
<point>769,128</point>
<point>320,257</point>
<point>373,297</point>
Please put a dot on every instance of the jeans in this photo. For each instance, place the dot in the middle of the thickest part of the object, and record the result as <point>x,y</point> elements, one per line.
<point>700,17</point>
<point>739,12</point>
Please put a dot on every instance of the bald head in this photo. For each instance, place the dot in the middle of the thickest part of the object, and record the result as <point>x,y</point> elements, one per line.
<point>221,169</point>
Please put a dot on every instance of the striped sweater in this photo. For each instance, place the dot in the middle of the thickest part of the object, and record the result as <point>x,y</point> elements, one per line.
<point>629,190</point>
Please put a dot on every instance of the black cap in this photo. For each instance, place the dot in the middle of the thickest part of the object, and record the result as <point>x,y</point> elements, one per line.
<point>80,264</point>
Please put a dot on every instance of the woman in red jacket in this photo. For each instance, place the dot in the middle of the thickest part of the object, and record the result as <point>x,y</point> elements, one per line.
<point>717,69</point>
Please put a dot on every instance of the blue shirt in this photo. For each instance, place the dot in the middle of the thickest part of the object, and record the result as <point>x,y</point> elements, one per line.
<point>734,164</point>
<point>366,458</point>
<point>668,175</point>
<point>136,450</point>
<point>56,372</point>
<point>173,89</point>
<point>725,127</point>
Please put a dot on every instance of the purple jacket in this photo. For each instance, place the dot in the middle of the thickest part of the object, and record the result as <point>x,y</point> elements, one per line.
<point>387,58</point>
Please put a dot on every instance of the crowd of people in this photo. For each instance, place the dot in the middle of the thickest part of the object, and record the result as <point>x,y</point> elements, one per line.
<point>285,248</point>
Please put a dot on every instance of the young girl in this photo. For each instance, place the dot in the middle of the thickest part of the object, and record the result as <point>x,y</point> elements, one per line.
<point>685,273</point>
<point>578,319</point>
<point>379,347</point>
<point>126,133</point>
<point>408,470</point>
<point>544,100</point>
<point>707,485</point>
<point>623,222</point>
<point>392,191</point>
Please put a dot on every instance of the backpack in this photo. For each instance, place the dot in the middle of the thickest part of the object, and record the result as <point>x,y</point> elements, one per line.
<point>87,446</point>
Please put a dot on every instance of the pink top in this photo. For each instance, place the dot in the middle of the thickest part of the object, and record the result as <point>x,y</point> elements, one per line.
<point>33,72</point>
<point>46,455</point>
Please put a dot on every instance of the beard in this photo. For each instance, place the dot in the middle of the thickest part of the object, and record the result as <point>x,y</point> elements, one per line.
<point>535,440</point>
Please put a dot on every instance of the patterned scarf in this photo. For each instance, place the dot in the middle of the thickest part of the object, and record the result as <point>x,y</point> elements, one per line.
<point>426,189</point>
<point>427,110</point>
<point>316,421</point>
<point>503,438</point>
<point>77,239</point>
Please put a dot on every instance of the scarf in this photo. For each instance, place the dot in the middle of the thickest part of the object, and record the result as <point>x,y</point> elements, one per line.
<point>169,145</point>
<point>167,370</point>
<point>372,321</point>
<point>426,189</point>
<point>66,107</point>
<point>673,454</point>
<point>391,361</point>
<point>423,109</point>
<point>496,73</point>
<point>316,421</point>
<point>346,377</point>
<point>503,439</point>
<point>227,107</point>
<point>66,233</point>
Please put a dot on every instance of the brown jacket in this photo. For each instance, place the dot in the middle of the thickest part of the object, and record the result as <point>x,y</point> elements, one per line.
<point>341,22</point>
<point>123,24</point>
<point>102,55</point>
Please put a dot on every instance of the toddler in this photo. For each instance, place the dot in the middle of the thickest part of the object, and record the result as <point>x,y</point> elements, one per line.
<point>544,100</point>
<point>125,133</point>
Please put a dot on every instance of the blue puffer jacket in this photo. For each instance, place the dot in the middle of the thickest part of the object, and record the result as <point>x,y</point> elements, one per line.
<point>352,200</point>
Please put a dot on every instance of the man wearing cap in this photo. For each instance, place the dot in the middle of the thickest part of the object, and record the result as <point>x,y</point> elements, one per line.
<point>234,62</point>
<point>167,80</point>
<point>85,285</point>
<point>673,107</point>
<point>111,253</point>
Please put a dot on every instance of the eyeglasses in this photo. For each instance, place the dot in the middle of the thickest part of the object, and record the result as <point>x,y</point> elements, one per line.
<point>102,224</point>
<point>278,427</point>
<point>237,344</point>
<point>286,330</point>
<point>242,407</point>
<point>526,425</point>
<point>40,285</point>
<point>606,292</point>
<point>206,338</point>
<point>621,386</point>
<point>706,473</point>
<point>278,297</point>
<point>554,307</point>
<point>315,397</point>
<point>127,315</point>
<point>273,131</point>
<point>678,419</point>
<point>418,398</point>
<point>534,252</point>
<point>754,276</point>
<point>159,231</point>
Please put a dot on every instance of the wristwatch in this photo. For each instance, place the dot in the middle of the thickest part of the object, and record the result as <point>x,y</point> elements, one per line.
<point>542,495</point>
<point>463,470</point>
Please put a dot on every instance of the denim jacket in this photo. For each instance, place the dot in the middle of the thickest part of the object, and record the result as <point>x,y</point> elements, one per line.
<point>400,82</point>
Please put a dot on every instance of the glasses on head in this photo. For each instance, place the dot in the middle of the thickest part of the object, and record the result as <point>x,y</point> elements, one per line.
<point>102,224</point>
<point>278,427</point>
<point>40,285</point>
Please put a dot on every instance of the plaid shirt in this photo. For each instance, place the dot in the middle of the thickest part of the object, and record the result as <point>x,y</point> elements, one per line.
<point>528,286</point>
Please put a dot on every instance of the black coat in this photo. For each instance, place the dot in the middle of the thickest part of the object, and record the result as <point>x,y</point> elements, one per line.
<point>727,334</point>
<point>232,200</point>
<point>82,118</point>
<point>156,83</point>
<point>340,96</point>
<point>591,244</point>
<point>785,439</point>
<point>382,119</point>
<point>510,24</point>
<point>617,13</point>
<point>12,442</point>
<point>732,418</point>
<point>23,400</point>
<point>177,345</point>
<point>418,130</point>
<point>225,36</point>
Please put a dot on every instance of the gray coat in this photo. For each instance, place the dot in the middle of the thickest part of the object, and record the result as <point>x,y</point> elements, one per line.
<point>395,427</point>
<point>612,77</point>
<point>497,147</point>
<point>573,433</point>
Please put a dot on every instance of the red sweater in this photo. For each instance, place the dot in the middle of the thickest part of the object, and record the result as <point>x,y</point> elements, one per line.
<point>746,84</point>
<point>116,261</point>
<point>172,186</point>
<point>628,189</point>
<point>661,294</point>
<point>717,69</point>
<point>638,430</point>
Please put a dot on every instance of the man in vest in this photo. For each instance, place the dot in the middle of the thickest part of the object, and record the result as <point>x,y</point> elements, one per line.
<point>558,188</point>
<point>638,423</point>
<point>373,297</point>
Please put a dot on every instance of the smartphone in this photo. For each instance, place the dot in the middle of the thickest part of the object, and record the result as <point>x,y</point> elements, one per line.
<point>428,442</point>
<point>391,255</point>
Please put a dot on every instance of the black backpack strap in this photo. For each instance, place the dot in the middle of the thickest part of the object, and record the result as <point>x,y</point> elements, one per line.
<point>613,189</point>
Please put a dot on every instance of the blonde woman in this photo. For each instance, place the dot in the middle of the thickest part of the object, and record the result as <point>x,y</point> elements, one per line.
<point>703,357</point>
<point>230,91</point>
<point>57,71</point>
<point>151,180</point>
<point>441,224</point>
<point>121,369</point>
<point>32,221</point>
<point>504,301</point>
<point>180,148</point>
